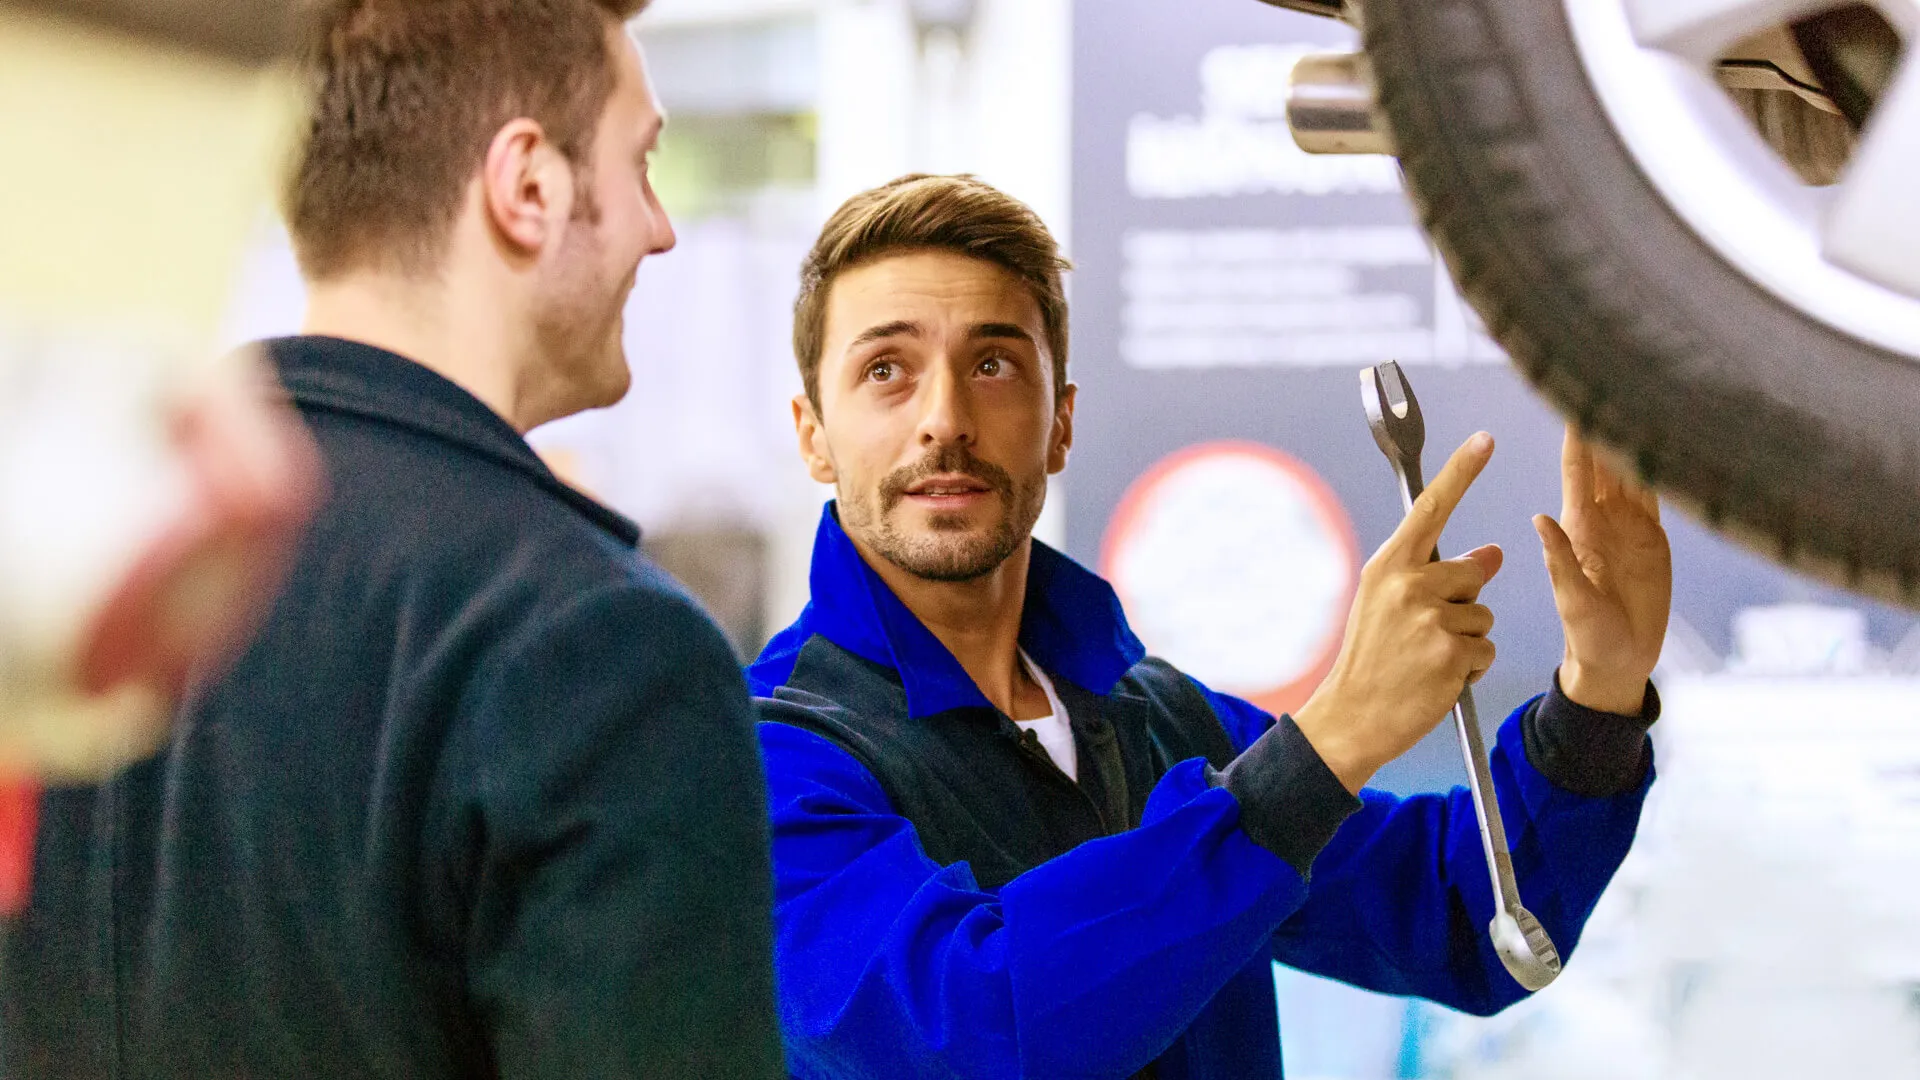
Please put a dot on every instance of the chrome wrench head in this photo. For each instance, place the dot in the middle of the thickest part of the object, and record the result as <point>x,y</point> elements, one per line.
<point>1393,413</point>
<point>1524,948</point>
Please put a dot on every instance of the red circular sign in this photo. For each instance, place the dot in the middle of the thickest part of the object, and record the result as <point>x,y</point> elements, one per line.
<point>1237,564</point>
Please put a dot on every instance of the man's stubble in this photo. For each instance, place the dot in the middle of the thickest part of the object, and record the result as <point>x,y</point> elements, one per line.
<point>947,551</point>
<point>580,322</point>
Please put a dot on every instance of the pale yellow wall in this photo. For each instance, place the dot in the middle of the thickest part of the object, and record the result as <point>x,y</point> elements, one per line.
<point>130,177</point>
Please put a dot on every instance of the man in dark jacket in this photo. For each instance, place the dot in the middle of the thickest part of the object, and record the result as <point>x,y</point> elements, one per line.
<point>483,799</point>
<point>1006,842</point>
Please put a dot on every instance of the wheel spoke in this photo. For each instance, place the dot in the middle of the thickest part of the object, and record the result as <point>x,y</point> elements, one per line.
<point>1701,30</point>
<point>1873,227</point>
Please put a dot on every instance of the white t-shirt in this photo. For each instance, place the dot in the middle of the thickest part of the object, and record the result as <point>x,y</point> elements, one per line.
<point>1054,732</point>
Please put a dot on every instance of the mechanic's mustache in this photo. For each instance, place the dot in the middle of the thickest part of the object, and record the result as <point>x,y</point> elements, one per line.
<point>951,461</point>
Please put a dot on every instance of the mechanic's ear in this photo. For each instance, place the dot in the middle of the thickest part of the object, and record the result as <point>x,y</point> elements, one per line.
<point>1062,439</point>
<point>813,441</point>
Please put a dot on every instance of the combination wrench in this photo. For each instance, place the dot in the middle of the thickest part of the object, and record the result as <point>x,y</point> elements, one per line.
<point>1523,944</point>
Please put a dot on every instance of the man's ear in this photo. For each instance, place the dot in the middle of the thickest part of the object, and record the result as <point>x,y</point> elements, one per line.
<point>526,187</point>
<point>1062,438</point>
<point>813,441</point>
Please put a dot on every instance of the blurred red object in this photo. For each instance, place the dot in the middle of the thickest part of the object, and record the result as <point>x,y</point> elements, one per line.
<point>199,589</point>
<point>185,604</point>
<point>143,531</point>
<point>19,818</point>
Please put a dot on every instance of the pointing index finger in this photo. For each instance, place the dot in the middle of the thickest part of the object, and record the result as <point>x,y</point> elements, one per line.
<point>1419,534</point>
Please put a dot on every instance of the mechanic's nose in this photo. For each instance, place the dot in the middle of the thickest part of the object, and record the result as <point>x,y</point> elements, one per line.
<point>946,417</point>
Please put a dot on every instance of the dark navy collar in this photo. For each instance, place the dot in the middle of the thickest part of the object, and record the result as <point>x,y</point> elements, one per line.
<point>336,375</point>
<point>1072,626</point>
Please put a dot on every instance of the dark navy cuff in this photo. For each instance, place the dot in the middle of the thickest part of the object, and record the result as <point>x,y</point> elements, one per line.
<point>1290,802</point>
<point>1585,751</point>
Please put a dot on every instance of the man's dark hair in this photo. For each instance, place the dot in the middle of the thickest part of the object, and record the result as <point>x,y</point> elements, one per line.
<point>931,213</point>
<point>406,96</point>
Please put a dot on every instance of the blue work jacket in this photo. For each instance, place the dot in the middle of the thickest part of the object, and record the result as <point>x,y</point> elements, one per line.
<point>948,904</point>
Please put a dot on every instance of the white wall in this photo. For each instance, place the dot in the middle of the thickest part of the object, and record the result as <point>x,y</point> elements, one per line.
<point>999,108</point>
<point>669,13</point>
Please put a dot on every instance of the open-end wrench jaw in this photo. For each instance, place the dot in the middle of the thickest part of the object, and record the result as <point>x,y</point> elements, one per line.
<point>1392,411</point>
<point>1393,414</point>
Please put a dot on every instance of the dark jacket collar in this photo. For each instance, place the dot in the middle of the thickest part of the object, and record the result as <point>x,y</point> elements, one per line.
<point>1072,626</point>
<point>349,377</point>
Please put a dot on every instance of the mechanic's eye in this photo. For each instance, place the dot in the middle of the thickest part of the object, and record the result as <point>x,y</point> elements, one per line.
<point>993,367</point>
<point>881,371</point>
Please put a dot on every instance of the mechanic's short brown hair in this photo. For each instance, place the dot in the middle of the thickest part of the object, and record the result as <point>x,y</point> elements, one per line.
<point>938,213</point>
<point>406,96</point>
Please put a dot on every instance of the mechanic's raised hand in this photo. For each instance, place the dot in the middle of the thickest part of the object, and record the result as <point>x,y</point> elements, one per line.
<point>1612,581</point>
<point>1415,637</point>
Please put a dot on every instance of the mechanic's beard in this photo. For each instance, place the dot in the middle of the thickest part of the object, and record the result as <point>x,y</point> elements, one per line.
<point>948,550</point>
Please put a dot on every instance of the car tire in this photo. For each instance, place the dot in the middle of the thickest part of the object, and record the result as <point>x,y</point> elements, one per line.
<point>1775,428</point>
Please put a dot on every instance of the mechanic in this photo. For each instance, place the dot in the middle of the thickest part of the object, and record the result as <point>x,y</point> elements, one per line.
<point>1006,842</point>
<point>483,799</point>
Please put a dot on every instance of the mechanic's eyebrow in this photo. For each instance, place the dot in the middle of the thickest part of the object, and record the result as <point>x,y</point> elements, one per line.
<point>897,328</point>
<point>1008,331</point>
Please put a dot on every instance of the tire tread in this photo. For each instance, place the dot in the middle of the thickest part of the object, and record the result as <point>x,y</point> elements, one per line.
<point>1592,327</point>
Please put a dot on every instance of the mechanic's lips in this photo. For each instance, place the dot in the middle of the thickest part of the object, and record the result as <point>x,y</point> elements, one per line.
<point>948,492</point>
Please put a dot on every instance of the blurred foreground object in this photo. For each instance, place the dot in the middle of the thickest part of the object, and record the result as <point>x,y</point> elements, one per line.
<point>147,488</point>
<point>248,31</point>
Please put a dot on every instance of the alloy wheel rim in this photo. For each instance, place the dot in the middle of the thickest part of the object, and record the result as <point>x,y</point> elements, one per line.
<point>1846,255</point>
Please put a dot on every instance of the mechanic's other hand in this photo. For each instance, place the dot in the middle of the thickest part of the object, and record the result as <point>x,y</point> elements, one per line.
<point>1416,636</point>
<point>1612,575</point>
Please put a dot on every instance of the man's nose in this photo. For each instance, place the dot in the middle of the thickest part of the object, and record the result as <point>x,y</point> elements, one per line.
<point>664,238</point>
<point>946,417</point>
<point>660,235</point>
